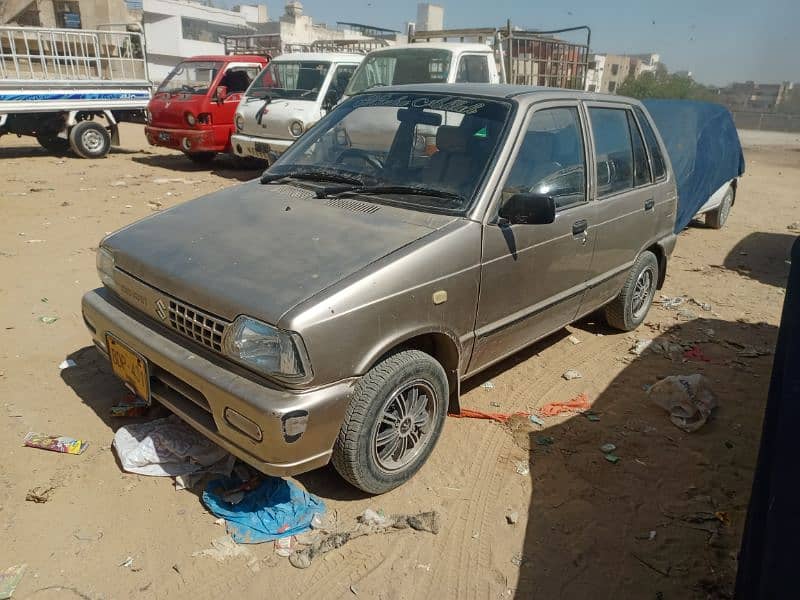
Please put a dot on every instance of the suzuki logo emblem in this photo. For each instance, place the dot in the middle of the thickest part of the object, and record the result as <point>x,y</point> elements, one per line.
<point>161,310</point>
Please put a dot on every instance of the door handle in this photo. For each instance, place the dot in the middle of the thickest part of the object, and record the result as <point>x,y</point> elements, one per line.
<point>579,227</point>
<point>649,204</point>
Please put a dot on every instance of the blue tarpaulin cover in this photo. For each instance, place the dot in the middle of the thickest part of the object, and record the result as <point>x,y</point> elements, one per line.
<point>275,508</point>
<point>704,149</point>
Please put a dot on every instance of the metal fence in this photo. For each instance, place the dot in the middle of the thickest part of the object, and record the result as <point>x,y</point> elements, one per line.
<point>41,54</point>
<point>270,44</point>
<point>766,121</point>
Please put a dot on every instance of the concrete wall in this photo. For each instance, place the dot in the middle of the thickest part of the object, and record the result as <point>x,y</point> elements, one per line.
<point>430,17</point>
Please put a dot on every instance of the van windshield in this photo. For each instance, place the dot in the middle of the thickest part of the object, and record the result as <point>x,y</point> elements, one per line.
<point>296,80</point>
<point>191,77</point>
<point>426,152</point>
<point>406,65</point>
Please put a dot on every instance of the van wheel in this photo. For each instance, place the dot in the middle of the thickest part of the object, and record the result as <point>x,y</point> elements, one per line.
<point>716,218</point>
<point>90,140</point>
<point>52,143</point>
<point>395,416</point>
<point>627,311</point>
<point>201,158</point>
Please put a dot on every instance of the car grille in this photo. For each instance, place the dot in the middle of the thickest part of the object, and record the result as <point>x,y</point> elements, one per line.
<point>196,325</point>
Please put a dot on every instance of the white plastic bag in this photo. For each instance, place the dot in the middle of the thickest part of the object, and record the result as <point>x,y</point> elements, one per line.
<point>688,399</point>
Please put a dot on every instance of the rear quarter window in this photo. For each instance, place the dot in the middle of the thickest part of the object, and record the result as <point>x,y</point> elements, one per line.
<point>653,147</point>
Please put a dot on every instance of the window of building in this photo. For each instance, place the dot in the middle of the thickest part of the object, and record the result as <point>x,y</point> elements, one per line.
<point>613,149</point>
<point>473,69</point>
<point>614,69</point>
<point>551,158</point>
<point>612,86</point>
<point>68,15</point>
<point>656,157</point>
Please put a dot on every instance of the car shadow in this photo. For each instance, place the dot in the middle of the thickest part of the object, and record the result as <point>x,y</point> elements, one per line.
<point>12,152</point>
<point>224,165</point>
<point>762,256</point>
<point>665,520</point>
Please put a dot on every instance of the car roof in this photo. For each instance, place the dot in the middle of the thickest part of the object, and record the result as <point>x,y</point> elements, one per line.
<point>502,91</point>
<point>227,58</point>
<point>320,57</point>
<point>454,46</point>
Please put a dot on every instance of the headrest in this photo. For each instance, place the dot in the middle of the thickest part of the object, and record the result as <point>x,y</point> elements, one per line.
<point>451,139</point>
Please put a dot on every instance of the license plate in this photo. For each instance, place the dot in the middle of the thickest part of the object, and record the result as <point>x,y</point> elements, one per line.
<point>163,136</point>
<point>130,367</point>
<point>262,148</point>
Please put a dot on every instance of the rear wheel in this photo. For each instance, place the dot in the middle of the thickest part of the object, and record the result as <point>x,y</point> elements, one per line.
<point>89,139</point>
<point>716,218</point>
<point>52,143</point>
<point>201,158</point>
<point>395,416</point>
<point>627,311</point>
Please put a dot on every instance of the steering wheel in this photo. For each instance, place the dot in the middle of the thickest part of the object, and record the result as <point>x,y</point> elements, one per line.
<point>369,159</point>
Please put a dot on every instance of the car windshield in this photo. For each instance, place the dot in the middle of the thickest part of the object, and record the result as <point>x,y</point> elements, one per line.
<point>406,65</point>
<point>297,80</point>
<point>191,77</point>
<point>423,151</point>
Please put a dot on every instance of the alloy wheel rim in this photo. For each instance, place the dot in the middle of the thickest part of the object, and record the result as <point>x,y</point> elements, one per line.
<point>92,140</point>
<point>642,292</point>
<point>405,426</point>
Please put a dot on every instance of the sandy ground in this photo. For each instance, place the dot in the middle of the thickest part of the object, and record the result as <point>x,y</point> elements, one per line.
<point>585,525</point>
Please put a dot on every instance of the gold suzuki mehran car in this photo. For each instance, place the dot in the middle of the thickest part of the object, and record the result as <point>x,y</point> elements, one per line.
<point>412,238</point>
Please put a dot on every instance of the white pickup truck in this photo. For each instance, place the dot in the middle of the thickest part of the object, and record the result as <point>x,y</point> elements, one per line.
<point>69,88</point>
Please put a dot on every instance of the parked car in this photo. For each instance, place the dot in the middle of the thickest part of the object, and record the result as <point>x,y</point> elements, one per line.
<point>706,154</point>
<point>330,310</point>
<point>193,109</point>
<point>288,97</point>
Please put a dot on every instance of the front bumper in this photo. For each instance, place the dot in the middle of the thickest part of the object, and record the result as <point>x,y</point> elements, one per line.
<point>198,388</point>
<point>266,148</point>
<point>185,140</point>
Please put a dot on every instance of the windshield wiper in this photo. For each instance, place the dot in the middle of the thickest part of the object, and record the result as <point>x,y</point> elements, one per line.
<point>405,189</point>
<point>315,175</point>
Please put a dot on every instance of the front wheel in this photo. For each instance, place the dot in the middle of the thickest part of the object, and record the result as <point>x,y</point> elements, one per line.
<point>627,311</point>
<point>89,139</point>
<point>716,218</point>
<point>396,414</point>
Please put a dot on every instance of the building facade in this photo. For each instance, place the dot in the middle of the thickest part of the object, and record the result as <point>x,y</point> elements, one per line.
<point>69,14</point>
<point>608,71</point>
<point>430,17</point>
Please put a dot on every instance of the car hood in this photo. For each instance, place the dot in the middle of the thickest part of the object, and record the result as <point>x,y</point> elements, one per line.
<point>277,116</point>
<point>261,249</point>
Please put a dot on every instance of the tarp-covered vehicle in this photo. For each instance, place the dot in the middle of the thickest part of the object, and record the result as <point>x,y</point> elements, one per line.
<point>706,155</point>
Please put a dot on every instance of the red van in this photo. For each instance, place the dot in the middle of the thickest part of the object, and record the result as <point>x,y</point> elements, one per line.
<point>193,109</point>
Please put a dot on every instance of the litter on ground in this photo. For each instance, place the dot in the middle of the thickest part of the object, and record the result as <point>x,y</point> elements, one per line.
<point>688,399</point>
<point>577,404</point>
<point>9,580</point>
<point>54,443</point>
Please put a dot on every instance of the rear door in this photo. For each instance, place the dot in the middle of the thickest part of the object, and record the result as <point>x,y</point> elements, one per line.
<point>625,198</point>
<point>533,277</point>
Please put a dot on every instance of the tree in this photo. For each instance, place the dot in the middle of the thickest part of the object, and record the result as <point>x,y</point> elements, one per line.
<point>661,84</point>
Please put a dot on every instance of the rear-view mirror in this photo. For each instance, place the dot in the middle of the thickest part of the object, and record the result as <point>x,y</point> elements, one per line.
<point>418,117</point>
<point>529,209</point>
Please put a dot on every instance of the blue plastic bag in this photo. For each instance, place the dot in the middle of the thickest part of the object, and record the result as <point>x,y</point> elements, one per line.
<point>276,508</point>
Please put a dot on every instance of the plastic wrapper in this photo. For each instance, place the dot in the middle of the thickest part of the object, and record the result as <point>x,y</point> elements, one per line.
<point>55,443</point>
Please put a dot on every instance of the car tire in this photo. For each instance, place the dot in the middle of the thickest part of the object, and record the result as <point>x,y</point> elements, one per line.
<point>89,139</point>
<point>627,311</point>
<point>201,158</point>
<point>400,401</point>
<point>52,143</point>
<point>716,218</point>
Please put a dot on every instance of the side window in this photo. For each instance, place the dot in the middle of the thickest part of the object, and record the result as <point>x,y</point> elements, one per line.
<point>473,69</point>
<point>551,158</point>
<point>341,78</point>
<point>613,150</point>
<point>641,170</point>
<point>237,79</point>
<point>656,157</point>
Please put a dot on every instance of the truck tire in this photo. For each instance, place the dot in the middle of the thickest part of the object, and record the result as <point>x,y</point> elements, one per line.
<point>52,143</point>
<point>394,419</point>
<point>201,158</point>
<point>89,139</point>
<point>716,218</point>
<point>627,311</point>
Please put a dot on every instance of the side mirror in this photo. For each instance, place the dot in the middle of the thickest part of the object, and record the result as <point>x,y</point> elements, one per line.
<point>529,209</point>
<point>221,93</point>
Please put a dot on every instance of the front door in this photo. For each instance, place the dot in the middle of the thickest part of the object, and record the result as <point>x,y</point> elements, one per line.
<point>533,277</point>
<point>236,79</point>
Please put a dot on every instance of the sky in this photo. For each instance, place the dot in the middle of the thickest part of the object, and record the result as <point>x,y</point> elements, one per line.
<point>719,41</point>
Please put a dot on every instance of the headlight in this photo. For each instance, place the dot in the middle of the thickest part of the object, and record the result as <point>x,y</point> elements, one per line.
<point>267,349</point>
<point>105,266</point>
<point>296,128</point>
<point>190,119</point>
<point>239,122</point>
